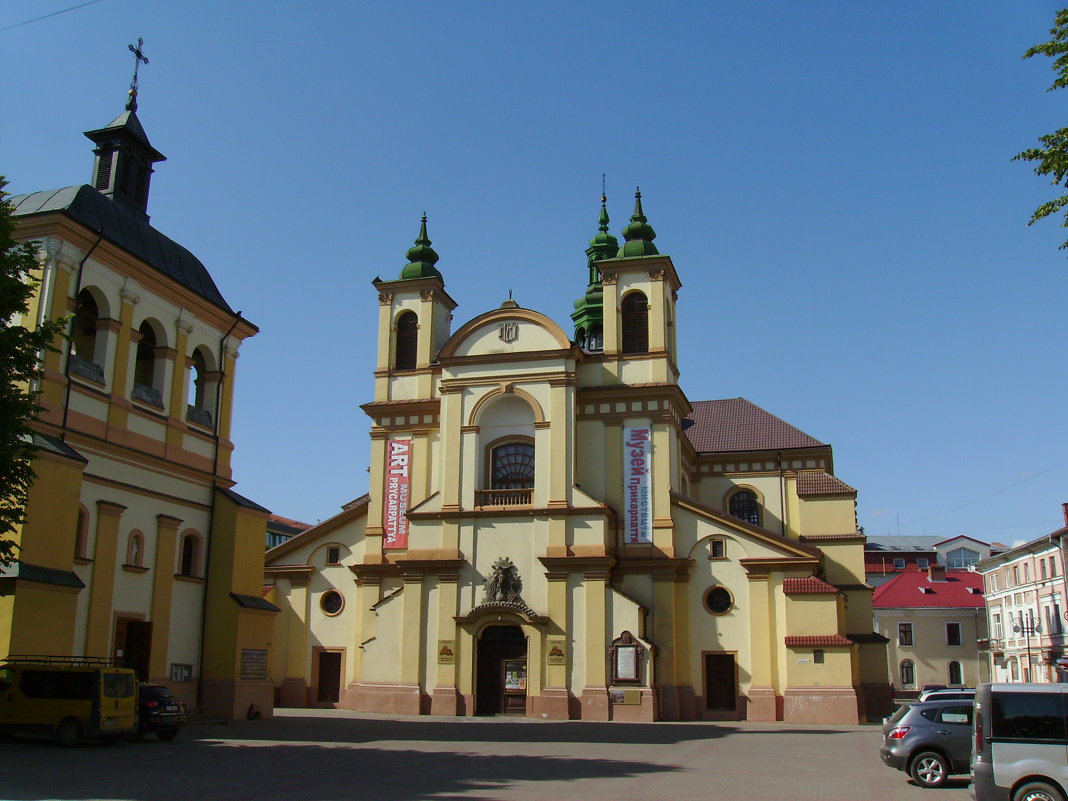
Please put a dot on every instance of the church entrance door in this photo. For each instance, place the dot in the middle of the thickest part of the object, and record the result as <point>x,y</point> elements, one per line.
<point>133,645</point>
<point>329,676</point>
<point>501,672</point>
<point>721,685</point>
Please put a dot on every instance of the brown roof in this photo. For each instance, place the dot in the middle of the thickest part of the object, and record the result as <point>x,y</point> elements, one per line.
<point>855,536</point>
<point>820,483</point>
<point>807,586</point>
<point>735,424</point>
<point>816,640</point>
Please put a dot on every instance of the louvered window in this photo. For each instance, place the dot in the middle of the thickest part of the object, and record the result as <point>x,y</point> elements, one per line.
<point>407,341</point>
<point>635,323</point>
<point>103,170</point>
<point>513,466</point>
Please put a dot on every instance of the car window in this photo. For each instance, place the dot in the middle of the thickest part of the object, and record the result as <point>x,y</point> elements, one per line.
<point>118,685</point>
<point>957,714</point>
<point>930,713</point>
<point>1027,716</point>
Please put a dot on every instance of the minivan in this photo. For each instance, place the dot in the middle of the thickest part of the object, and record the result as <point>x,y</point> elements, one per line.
<point>1020,748</point>
<point>72,698</point>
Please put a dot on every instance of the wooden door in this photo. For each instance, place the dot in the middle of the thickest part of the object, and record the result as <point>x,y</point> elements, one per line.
<point>721,683</point>
<point>329,676</point>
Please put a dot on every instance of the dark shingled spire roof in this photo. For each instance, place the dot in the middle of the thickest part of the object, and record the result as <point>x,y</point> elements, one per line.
<point>735,424</point>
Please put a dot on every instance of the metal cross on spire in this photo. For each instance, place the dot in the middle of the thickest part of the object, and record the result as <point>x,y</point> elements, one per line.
<point>139,59</point>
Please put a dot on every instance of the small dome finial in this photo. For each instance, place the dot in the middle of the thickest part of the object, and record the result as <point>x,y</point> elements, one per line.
<point>421,257</point>
<point>639,235</point>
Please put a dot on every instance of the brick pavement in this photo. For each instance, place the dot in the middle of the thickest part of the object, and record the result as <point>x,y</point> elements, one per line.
<point>320,755</point>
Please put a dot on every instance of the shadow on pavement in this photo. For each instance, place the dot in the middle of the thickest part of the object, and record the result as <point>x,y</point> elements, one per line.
<point>204,769</point>
<point>464,730</point>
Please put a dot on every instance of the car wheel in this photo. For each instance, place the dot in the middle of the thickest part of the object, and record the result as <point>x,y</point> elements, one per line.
<point>929,769</point>
<point>1038,791</point>
<point>167,734</point>
<point>69,732</point>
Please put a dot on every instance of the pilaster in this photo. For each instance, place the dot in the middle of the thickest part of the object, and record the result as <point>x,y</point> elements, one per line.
<point>162,595</point>
<point>105,551</point>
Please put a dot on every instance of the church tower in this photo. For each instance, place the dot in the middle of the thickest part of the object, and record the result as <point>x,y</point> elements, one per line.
<point>413,323</point>
<point>589,309</point>
<point>640,289</point>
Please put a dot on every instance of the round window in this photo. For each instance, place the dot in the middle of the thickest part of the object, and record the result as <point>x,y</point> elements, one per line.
<point>332,602</point>
<point>718,600</point>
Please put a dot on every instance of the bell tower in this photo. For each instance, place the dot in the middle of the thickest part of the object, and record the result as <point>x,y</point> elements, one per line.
<point>640,290</point>
<point>415,313</point>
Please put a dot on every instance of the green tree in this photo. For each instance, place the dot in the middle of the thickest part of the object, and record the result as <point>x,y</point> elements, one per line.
<point>20,364</point>
<point>1052,157</point>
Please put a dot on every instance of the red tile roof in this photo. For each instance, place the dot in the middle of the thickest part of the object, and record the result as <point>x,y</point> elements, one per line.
<point>735,424</point>
<point>913,589</point>
<point>816,640</point>
<point>807,586</point>
<point>821,484</point>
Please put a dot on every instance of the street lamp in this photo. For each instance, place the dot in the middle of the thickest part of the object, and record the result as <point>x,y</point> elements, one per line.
<point>1028,627</point>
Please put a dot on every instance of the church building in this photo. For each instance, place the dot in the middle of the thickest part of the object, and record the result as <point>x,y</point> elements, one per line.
<point>554,530</point>
<point>135,546</point>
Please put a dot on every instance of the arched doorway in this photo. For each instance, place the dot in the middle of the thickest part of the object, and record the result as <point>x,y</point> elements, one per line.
<point>501,673</point>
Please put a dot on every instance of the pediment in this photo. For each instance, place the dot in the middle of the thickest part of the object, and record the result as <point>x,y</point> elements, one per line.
<point>506,331</point>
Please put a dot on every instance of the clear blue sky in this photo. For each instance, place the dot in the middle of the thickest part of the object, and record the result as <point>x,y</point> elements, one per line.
<point>832,180</point>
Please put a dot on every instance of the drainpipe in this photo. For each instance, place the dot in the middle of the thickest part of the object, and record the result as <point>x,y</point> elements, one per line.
<point>211,509</point>
<point>782,493</point>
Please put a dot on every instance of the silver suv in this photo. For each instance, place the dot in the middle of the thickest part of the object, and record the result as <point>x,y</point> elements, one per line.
<point>1021,742</point>
<point>930,741</point>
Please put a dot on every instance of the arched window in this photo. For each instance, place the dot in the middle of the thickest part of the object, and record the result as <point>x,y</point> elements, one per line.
<point>148,373</point>
<point>203,389</point>
<point>407,341</point>
<point>135,549</point>
<point>908,673</point>
<point>190,564</point>
<point>745,506</point>
<point>83,332</point>
<point>511,475</point>
<point>512,466</point>
<point>634,314</point>
<point>955,673</point>
<point>595,340</point>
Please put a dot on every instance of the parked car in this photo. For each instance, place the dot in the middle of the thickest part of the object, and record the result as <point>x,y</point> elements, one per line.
<point>1021,742</point>
<point>948,694</point>
<point>69,697</point>
<point>158,711</point>
<point>930,741</point>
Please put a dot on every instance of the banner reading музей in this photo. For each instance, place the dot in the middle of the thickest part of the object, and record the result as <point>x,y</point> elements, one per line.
<point>637,483</point>
<point>395,502</point>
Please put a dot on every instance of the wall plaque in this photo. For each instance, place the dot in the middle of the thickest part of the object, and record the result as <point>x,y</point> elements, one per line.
<point>446,652</point>
<point>556,651</point>
<point>253,663</point>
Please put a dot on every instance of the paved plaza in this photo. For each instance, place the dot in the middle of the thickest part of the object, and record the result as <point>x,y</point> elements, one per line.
<point>320,755</point>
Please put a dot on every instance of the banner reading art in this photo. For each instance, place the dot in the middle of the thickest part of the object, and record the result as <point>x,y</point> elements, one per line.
<point>637,483</point>
<point>395,507</point>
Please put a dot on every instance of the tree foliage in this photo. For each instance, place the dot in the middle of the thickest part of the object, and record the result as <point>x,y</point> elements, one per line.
<point>1052,157</point>
<point>21,347</point>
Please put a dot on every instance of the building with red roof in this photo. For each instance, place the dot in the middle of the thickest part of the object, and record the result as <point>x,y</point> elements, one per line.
<point>934,620</point>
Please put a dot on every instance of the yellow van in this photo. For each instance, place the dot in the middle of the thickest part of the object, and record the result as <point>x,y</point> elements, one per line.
<point>71,697</point>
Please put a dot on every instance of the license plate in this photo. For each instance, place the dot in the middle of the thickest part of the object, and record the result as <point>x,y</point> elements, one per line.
<point>170,708</point>
<point>109,723</point>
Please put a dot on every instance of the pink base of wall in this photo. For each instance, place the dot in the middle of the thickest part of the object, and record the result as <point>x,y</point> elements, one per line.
<point>230,700</point>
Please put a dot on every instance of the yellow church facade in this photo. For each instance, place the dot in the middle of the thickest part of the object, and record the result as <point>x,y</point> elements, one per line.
<point>554,530</point>
<point>134,546</point>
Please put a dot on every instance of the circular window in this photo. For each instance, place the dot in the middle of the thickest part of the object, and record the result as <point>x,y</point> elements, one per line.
<point>332,602</point>
<point>718,600</point>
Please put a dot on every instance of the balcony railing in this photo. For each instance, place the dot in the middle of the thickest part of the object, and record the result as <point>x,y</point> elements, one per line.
<point>504,497</point>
